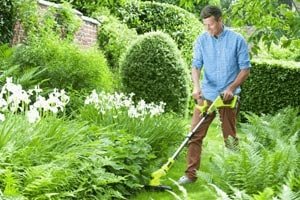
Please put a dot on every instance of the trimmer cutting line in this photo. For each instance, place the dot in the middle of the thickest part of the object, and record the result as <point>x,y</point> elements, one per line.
<point>206,111</point>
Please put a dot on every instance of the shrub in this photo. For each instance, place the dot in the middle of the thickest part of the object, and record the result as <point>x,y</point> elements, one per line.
<point>64,64</point>
<point>64,159</point>
<point>114,38</point>
<point>154,70</point>
<point>181,25</point>
<point>27,78</point>
<point>272,85</point>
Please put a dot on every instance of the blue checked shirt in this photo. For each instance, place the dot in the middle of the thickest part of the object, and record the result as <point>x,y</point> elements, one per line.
<point>222,59</point>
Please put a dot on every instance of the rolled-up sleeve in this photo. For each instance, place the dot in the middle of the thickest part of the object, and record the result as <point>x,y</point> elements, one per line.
<point>197,61</point>
<point>243,55</point>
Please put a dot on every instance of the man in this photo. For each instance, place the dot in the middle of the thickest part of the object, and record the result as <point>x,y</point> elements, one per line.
<point>224,57</point>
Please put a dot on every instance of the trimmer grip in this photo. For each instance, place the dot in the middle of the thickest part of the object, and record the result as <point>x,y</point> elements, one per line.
<point>229,104</point>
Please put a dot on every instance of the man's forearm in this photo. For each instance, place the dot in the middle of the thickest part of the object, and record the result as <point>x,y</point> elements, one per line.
<point>196,78</point>
<point>196,81</point>
<point>242,76</point>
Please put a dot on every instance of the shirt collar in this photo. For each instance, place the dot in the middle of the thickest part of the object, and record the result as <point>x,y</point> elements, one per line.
<point>222,34</point>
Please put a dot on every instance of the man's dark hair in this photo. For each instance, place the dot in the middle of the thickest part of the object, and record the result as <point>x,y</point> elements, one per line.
<point>209,11</point>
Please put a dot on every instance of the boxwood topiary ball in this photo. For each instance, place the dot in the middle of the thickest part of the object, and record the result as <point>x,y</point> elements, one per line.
<point>153,69</point>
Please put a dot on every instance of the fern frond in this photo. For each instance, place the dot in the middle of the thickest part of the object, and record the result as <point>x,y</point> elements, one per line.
<point>11,183</point>
<point>181,189</point>
<point>267,194</point>
<point>287,193</point>
<point>221,194</point>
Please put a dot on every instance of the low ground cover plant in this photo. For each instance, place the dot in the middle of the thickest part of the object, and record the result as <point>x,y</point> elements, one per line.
<point>56,157</point>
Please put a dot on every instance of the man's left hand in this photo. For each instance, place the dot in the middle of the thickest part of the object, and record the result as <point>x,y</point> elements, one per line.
<point>227,95</point>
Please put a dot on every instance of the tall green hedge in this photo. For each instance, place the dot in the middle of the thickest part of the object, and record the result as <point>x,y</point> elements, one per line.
<point>181,25</point>
<point>272,85</point>
<point>154,70</point>
<point>7,20</point>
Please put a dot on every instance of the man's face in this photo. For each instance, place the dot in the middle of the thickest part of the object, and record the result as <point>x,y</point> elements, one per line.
<point>213,26</point>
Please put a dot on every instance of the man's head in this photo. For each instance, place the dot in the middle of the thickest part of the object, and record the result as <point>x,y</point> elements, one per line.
<point>212,19</point>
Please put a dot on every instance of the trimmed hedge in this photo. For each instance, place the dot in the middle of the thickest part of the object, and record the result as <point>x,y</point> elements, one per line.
<point>154,70</point>
<point>181,25</point>
<point>272,85</point>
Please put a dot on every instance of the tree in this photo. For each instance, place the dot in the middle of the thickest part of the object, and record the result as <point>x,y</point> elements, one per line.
<point>270,21</point>
<point>89,7</point>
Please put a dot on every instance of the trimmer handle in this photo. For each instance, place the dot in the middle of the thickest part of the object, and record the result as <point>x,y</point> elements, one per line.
<point>222,96</point>
<point>220,103</point>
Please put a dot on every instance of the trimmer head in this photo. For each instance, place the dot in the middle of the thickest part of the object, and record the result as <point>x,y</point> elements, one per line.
<point>155,184</point>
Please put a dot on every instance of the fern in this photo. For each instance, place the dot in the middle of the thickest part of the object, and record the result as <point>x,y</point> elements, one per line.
<point>287,193</point>
<point>221,194</point>
<point>268,157</point>
<point>11,183</point>
<point>267,129</point>
<point>63,159</point>
<point>267,194</point>
<point>181,189</point>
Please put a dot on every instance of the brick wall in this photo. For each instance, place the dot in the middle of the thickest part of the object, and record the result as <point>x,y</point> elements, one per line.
<point>86,36</point>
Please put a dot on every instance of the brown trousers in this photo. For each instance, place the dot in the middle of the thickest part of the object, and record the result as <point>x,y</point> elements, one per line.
<point>228,117</point>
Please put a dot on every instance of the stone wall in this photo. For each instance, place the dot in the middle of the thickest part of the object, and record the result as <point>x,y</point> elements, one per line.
<point>86,36</point>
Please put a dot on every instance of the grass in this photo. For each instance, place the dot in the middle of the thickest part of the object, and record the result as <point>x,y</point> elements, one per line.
<point>196,191</point>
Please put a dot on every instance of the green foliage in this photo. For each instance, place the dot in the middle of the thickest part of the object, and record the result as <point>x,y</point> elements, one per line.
<point>155,130</point>
<point>272,85</point>
<point>266,194</point>
<point>66,23</point>
<point>7,20</point>
<point>254,170</point>
<point>114,38</point>
<point>11,185</point>
<point>153,70</point>
<point>49,56</point>
<point>130,155</point>
<point>61,21</point>
<point>196,6</point>
<point>90,7</point>
<point>63,159</point>
<point>268,129</point>
<point>28,15</point>
<point>181,25</point>
<point>291,53</point>
<point>259,165</point>
<point>278,130</point>
<point>64,64</point>
<point>270,20</point>
<point>26,77</point>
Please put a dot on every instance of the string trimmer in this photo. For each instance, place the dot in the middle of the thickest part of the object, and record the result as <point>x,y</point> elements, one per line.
<point>206,111</point>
